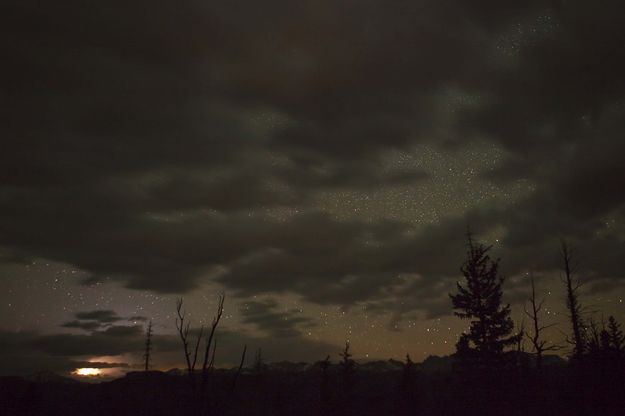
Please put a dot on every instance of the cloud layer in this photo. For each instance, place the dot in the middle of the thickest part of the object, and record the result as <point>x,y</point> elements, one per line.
<point>164,145</point>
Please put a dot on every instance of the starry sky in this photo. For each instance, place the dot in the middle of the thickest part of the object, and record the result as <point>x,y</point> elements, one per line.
<point>318,162</point>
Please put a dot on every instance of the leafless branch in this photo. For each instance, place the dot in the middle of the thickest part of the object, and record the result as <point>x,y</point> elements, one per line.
<point>540,346</point>
<point>236,375</point>
<point>197,346</point>
<point>183,332</point>
<point>209,341</point>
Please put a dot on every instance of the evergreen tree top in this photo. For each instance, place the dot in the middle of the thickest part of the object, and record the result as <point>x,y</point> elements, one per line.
<point>479,299</point>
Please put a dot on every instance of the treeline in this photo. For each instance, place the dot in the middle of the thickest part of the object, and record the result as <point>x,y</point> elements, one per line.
<point>491,331</point>
<point>492,371</point>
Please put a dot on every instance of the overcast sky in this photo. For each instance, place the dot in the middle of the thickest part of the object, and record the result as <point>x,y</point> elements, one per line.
<point>317,161</point>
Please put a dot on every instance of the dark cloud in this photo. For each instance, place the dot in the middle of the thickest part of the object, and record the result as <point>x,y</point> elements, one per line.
<point>103,319</point>
<point>267,316</point>
<point>101,316</point>
<point>145,146</point>
<point>28,352</point>
<point>138,318</point>
<point>85,325</point>
<point>98,364</point>
<point>562,80</point>
<point>114,340</point>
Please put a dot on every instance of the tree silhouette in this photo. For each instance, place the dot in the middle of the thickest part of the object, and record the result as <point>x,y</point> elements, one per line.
<point>323,388</point>
<point>598,354</point>
<point>521,357</point>
<point>207,364</point>
<point>572,301</point>
<point>211,342</point>
<point>258,361</point>
<point>183,333</point>
<point>480,301</point>
<point>148,346</point>
<point>407,377</point>
<point>607,344</point>
<point>348,367</point>
<point>540,345</point>
<point>616,339</point>
<point>592,338</point>
<point>464,357</point>
<point>604,338</point>
<point>238,373</point>
<point>406,386</point>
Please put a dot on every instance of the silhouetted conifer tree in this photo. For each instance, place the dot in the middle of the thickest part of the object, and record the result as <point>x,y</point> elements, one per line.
<point>480,301</point>
<point>148,346</point>
<point>598,355</point>
<point>616,342</point>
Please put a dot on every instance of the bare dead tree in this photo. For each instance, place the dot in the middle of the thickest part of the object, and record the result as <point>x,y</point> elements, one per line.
<point>206,365</point>
<point>236,375</point>
<point>197,346</point>
<point>592,336</point>
<point>211,363</point>
<point>183,332</point>
<point>572,300</point>
<point>148,346</point>
<point>540,345</point>
<point>520,345</point>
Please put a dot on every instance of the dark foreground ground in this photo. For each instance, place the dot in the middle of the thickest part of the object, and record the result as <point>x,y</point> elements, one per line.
<point>558,391</point>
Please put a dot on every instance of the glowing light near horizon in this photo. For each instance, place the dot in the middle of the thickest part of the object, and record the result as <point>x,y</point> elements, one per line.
<point>87,371</point>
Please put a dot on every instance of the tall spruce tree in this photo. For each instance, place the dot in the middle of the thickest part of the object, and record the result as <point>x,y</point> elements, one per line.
<point>479,300</point>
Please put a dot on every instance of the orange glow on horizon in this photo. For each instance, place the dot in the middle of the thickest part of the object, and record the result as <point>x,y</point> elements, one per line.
<point>87,371</point>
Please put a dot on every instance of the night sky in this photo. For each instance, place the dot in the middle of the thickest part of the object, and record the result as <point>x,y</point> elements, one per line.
<point>317,161</point>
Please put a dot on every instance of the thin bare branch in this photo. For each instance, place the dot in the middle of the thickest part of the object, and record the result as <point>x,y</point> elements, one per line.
<point>211,364</point>
<point>183,332</point>
<point>236,375</point>
<point>572,299</point>
<point>209,341</point>
<point>540,345</point>
<point>197,346</point>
